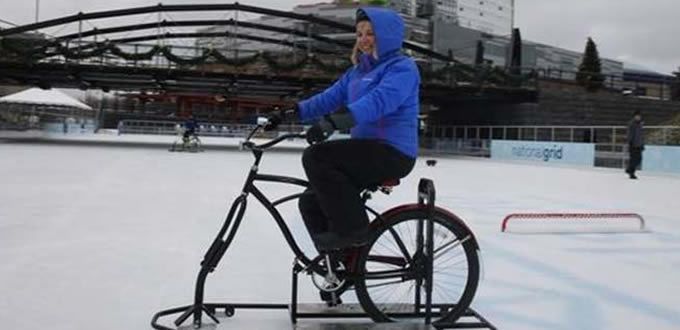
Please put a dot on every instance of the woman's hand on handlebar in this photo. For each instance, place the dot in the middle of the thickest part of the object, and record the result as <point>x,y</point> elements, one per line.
<point>278,116</point>
<point>320,131</point>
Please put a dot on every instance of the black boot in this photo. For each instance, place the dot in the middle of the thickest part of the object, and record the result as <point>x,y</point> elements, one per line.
<point>330,241</point>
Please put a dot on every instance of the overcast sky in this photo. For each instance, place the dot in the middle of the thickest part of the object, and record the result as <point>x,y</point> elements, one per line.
<point>640,32</point>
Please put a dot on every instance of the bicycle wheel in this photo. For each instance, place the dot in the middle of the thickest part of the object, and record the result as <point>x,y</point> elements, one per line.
<point>393,266</point>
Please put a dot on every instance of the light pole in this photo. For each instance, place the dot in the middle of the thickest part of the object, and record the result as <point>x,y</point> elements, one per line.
<point>37,9</point>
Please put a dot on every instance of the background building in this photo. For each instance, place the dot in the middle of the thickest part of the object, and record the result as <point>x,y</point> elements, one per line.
<point>489,16</point>
<point>417,29</point>
<point>561,63</point>
<point>445,26</point>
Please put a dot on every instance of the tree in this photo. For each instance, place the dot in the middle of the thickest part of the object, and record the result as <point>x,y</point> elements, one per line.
<point>516,53</point>
<point>479,53</point>
<point>675,86</point>
<point>375,2</point>
<point>590,71</point>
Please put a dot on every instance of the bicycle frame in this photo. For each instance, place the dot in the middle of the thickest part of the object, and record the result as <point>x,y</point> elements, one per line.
<point>425,244</point>
<point>233,220</point>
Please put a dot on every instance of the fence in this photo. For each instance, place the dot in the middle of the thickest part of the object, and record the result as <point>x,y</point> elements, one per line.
<point>610,141</point>
<point>217,129</point>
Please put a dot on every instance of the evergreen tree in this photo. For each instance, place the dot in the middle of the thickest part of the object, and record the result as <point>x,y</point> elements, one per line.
<point>375,2</point>
<point>590,71</point>
<point>479,53</point>
<point>675,87</point>
<point>516,53</point>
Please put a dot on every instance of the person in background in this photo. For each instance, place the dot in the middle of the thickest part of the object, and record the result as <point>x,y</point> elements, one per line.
<point>190,126</point>
<point>636,144</point>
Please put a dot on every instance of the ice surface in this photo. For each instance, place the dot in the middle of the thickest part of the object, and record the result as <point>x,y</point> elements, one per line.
<point>97,237</point>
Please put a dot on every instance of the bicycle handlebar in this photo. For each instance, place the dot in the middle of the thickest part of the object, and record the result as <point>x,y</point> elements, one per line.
<point>247,144</point>
<point>279,139</point>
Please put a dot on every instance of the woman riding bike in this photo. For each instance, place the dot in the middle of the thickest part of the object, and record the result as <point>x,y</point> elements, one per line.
<point>377,99</point>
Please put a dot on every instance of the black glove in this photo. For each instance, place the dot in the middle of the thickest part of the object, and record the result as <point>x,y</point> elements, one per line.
<point>320,131</point>
<point>325,127</point>
<point>278,116</point>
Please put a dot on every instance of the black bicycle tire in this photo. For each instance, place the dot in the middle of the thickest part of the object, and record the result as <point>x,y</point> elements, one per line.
<point>455,225</point>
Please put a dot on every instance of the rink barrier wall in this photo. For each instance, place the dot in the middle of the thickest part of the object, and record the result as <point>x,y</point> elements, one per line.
<point>654,158</point>
<point>544,152</point>
<point>661,159</point>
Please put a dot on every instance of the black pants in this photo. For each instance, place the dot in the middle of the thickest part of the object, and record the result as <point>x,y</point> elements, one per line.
<point>337,172</point>
<point>635,159</point>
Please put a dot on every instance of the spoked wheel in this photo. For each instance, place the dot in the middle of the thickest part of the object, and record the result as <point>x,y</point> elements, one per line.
<point>395,269</point>
<point>195,145</point>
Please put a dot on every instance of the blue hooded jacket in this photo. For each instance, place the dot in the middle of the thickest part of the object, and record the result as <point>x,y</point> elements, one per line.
<point>381,94</point>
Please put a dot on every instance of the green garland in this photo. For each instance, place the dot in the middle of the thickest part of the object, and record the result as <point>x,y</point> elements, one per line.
<point>167,52</point>
<point>329,68</point>
<point>115,50</point>
<point>219,58</point>
<point>26,51</point>
<point>285,67</point>
<point>23,49</point>
<point>75,54</point>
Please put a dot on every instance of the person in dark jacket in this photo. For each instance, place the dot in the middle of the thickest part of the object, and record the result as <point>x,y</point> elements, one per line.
<point>636,144</point>
<point>377,100</point>
<point>190,126</point>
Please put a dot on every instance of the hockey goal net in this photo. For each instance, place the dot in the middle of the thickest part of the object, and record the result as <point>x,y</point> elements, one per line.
<point>573,222</point>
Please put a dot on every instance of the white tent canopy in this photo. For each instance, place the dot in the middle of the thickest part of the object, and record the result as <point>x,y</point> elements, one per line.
<point>37,96</point>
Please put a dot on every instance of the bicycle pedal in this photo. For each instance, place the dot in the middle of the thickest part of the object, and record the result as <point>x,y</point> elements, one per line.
<point>332,299</point>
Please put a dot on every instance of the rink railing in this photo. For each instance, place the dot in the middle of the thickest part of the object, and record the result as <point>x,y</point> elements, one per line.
<point>169,127</point>
<point>611,148</point>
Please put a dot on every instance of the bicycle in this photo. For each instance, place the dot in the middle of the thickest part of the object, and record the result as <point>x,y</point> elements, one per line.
<point>420,264</point>
<point>184,142</point>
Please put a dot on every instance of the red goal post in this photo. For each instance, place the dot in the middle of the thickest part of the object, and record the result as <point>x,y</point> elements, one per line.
<point>571,216</point>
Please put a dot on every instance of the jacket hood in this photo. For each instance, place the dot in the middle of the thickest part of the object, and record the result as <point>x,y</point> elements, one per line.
<point>388,28</point>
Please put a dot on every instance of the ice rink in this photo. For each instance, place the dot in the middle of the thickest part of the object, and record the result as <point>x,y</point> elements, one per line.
<point>102,237</point>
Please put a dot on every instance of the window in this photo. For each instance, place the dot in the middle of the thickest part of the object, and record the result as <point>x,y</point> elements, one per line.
<point>481,14</point>
<point>481,2</point>
<point>500,7</point>
<point>461,8</point>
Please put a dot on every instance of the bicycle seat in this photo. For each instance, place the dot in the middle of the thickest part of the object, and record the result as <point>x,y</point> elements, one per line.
<point>386,186</point>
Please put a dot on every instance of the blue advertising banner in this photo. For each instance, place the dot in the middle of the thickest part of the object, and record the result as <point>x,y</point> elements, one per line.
<point>544,152</point>
<point>661,159</point>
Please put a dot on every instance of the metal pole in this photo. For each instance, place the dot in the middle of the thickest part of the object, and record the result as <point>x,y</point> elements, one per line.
<point>158,33</point>
<point>665,135</point>
<point>592,135</point>
<point>234,40</point>
<point>80,34</point>
<point>37,10</point>
<point>309,38</point>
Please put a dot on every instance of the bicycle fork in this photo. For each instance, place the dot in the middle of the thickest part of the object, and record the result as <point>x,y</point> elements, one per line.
<point>212,258</point>
<point>425,243</point>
